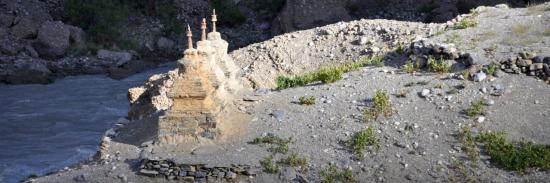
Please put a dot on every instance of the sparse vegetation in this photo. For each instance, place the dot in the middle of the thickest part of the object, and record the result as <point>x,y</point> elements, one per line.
<point>332,174</point>
<point>428,7</point>
<point>411,67</point>
<point>268,165</point>
<point>466,74</point>
<point>278,145</point>
<point>468,143</point>
<point>229,11</point>
<point>476,109</point>
<point>307,100</point>
<point>401,48</point>
<point>378,61</point>
<point>439,66</point>
<point>491,69</point>
<point>363,139</point>
<point>103,20</point>
<point>294,160</point>
<point>517,156</point>
<point>519,29</point>
<point>381,106</point>
<point>465,23</point>
<point>327,74</point>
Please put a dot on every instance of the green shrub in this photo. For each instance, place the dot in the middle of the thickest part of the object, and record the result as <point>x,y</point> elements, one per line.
<point>269,5</point>
<point>427,7</point>
<point>307,100</point>
<point>440,66</point>
<point>515,156</point>
<point>360,141</point>
<point>229,12</point>
<point>101,19</point>
<point>468,143</point>
<point>332,174</point>
<point>491,69</point>
<point>269,166</point>
<point>410,67</point>
<point>476,109</point>
<point>294,160</point>
<point>378,61</point>
<point>324,75</point>
<point>381,106</point>
<point>465,23</point>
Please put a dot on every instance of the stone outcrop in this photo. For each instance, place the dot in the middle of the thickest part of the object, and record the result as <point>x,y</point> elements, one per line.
<point>53,39</point>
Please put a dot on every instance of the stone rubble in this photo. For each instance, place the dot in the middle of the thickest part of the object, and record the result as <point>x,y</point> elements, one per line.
<point>194,172</point>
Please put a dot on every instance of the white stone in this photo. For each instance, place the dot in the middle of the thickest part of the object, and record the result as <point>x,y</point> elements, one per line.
<point>425,92</point>
<point>481,119</point>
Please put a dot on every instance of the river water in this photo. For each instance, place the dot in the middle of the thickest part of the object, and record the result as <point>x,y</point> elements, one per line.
<point>44,128</point>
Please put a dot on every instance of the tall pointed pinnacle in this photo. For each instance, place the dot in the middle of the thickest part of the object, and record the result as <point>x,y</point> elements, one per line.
<point>214,20</point>
<point>203,28</point>
<point>189,37</point>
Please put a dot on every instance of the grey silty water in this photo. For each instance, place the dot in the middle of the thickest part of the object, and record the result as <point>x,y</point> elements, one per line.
<point>44,128</point>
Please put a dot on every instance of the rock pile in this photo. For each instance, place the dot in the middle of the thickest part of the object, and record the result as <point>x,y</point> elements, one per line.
<point>193,172</point>
<point>529,64</point>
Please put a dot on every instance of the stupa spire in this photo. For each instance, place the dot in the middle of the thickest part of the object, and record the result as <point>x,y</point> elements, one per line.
<point>189,37</point>
<point>203,28</point>
<point>214,20</point>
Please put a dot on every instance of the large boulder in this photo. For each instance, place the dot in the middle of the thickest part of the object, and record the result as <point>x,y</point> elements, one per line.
<point>53,39</point>
<point>27,71</point>
<point>25,27</point>
<point>121,57</point>
<point>305,14</point>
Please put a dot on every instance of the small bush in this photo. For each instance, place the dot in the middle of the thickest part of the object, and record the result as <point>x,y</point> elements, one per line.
<point>401,48</point>
<point>465,23</point>
<point>270,139</point>
<point>332,174</point>
<point>307,100</point>
<point>360,141</point>
<point>269,166</point>
<point>476,109</point>
<point>229,11</point>
<point>294,160</point>
<point>410,67</point>
<point>515,156</point>
<point>428,7</point>
<point>329,75</point>
<point>381,106</point>
<point>491,69</point>
<point>468,143</point>
<point>440,66</point>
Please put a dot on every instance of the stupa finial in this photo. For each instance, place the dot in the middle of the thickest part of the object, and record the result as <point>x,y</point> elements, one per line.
<point>214,20</point>
<point>203,28</point>
<point>189,37</point>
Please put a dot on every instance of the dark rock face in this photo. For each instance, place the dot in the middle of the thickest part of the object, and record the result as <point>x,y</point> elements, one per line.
<point>53,39</point>
<point>298,15</point>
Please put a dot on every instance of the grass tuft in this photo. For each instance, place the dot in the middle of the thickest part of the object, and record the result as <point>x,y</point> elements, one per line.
<point>491,69</point>
<point>268,165</point>
<point>476,109</point>
<point>294,160</point>
<point>332,174</point>
<point>307,100</point>
<point>440,66</point>
<point>327,74</point>
<point>515,156</point>
<point>361,140</point>
<point>465,23</point>
<point>381,106</point>
<point>410,67</point>
<point>468,143</point>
